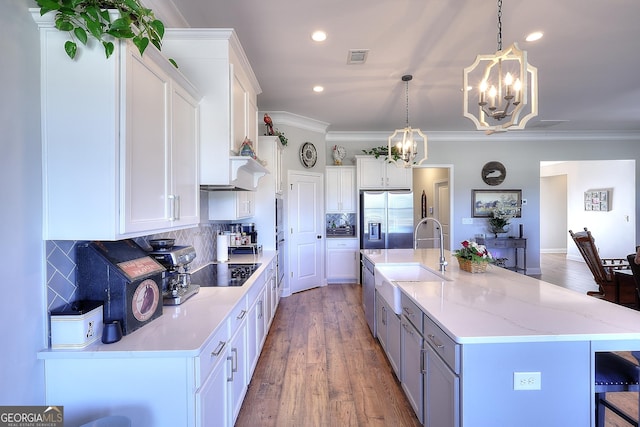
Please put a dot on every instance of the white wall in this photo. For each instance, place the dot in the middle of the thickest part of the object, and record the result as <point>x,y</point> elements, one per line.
<point>553,216</point>
<point>22,306</point>
<point>614,230</point>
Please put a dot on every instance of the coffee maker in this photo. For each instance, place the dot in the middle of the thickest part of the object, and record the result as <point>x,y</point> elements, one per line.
<point>176,281</point>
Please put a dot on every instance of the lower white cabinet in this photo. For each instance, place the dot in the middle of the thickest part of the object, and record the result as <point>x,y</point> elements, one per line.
<point>343,258</point>
<point>231,205</point>
<point>389,333</point>
<point>163,388</point>
<point>411,365</point>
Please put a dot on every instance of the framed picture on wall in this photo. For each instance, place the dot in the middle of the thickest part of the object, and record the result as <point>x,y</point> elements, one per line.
<point>484,201</point>
<point>597,200</point>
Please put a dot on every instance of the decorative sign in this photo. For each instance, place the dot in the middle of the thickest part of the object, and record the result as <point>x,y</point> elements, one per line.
<point>140,267</point>
<point>597,200</point>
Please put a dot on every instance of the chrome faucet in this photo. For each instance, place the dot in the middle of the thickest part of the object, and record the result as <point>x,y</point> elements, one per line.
<point>443,262</point>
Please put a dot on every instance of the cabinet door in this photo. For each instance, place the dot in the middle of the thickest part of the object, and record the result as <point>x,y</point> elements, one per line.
<point>238,113</point>
<point>237,364</point>
<point>342,260</point>
<point>412,375</point>
<point>398,177</point>
<point>245,204</point>
<point>333,190</point>
<point>348,189</point>
<point>394,341</point>
<point>146,169</point>
<point>441,392</point>
<point>211,399</point>
<point>371,173</point>
<point>184,158</point>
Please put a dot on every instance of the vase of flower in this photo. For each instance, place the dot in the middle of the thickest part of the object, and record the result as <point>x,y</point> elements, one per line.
<point>500,217</point>
<point>473,258</point>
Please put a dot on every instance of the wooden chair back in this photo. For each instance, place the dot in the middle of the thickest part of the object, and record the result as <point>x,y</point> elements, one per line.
<point>635,269</point>
<point>601,268</point>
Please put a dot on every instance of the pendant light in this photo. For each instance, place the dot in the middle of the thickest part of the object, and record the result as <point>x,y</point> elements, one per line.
<point>404,145</point>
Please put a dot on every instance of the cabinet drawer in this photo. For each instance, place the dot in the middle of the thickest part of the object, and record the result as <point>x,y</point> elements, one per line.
<point>213,352</point>
<point>442,344</point>
<point>413,313</point>
<point>237,316</point>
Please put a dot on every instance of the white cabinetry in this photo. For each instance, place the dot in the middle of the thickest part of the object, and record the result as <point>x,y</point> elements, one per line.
<point>378,174</point>
<point>388,331</point>
<point>342,260</point>
<point>231,205</point>
<point>120,142</point>
<point>341,189</point>
<point>215,61</point>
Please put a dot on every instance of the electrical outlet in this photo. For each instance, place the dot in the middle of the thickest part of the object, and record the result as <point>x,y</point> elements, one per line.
<point>524,202</point>
<point>467,221</point>
<point>527,380</point>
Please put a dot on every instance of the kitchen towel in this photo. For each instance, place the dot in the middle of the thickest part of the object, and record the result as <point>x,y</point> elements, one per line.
<point>222,248</point>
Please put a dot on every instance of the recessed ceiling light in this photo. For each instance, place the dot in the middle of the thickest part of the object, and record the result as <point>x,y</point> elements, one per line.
<point>318,89</point>
<point>536,35</point>
<point>319,36</point>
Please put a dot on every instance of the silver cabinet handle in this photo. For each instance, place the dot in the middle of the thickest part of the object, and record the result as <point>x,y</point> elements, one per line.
<point>408,311</point>
<point>218,349</point>
<point>230,379</point>
<point>234,364</point>
<point>433,340</point>
<point>172,207</point>
<point>423,368</point>
<point>241,315</point>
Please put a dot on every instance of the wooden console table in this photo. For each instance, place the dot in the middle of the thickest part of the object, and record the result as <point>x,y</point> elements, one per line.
<point>514,243</point>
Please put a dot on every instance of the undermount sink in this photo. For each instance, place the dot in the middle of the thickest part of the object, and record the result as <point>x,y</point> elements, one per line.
<point>387,276</point>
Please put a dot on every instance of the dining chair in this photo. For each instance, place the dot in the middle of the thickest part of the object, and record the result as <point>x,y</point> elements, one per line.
<point>635,269</point>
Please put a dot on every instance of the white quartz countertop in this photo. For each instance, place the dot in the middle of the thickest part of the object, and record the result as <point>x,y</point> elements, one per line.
<point>502,306</point>
<point>182,330</point>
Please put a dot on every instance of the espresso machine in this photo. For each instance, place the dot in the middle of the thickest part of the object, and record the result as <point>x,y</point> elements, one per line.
<point>176,282</point>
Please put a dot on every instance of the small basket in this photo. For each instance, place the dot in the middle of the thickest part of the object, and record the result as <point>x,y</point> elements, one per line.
<point>472,266</point>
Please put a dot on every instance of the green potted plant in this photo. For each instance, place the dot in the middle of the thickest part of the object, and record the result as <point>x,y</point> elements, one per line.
<point>85,19</point>
<point>383,151</point>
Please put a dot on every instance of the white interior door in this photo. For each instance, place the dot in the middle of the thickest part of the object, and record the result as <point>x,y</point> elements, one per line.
<point>306,230</point>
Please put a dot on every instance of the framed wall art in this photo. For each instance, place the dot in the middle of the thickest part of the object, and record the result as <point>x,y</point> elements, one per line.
<point>484,201</point>
<point>597,200</point>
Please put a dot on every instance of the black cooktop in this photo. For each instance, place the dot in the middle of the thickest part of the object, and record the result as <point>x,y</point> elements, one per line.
<point>223,274</point>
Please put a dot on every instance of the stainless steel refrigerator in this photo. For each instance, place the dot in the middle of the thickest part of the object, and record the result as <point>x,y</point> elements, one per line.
<point>386,219</point>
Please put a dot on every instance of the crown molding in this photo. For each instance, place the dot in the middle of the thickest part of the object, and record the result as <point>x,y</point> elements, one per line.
<point>300,122</point>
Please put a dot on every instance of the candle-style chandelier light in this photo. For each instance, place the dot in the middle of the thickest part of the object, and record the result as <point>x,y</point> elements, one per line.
<point>403,145</point>
<point>507,95</point>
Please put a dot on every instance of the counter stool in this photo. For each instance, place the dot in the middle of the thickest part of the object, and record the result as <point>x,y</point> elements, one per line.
<point>614,373</point>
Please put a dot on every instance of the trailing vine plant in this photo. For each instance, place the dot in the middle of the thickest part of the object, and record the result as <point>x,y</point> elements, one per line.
<point>84,19</point>
<point>383,151</point>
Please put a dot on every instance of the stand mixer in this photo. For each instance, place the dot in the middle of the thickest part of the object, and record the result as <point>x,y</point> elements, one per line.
<point>176,281</point>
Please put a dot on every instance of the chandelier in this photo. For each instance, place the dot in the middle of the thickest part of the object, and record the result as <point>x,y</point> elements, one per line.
<point>404,143</point>
<point>507,95</point>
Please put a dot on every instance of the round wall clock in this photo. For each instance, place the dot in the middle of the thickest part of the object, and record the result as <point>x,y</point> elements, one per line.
<point>493,173</point>
<point>308,155</point>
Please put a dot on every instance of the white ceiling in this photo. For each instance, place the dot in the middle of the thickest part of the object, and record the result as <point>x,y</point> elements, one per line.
<point>588,60</point>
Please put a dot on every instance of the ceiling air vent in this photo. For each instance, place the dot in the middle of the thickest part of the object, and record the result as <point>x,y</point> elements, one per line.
<point>357,56</point>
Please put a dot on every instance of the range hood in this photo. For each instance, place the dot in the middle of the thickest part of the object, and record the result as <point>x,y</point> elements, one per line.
<point>244,174</point>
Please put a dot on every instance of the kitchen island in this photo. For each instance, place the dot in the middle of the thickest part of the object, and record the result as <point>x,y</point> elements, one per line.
<point>188,367</point>
<point>521,351</point>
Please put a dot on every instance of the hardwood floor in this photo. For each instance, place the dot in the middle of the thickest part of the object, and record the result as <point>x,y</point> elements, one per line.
<point>320,366</point>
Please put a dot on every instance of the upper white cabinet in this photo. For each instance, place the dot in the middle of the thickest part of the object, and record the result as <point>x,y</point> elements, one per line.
<point>341,189</point>
<point>215,61</point>
<point>231,205</point>
<point>378,174</point>
<point>120,142</point>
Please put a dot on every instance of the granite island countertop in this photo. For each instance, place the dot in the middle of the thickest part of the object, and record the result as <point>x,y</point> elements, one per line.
<point>502,306</point>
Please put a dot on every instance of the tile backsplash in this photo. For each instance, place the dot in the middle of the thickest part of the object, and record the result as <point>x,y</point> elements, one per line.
<point>61,259</point>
